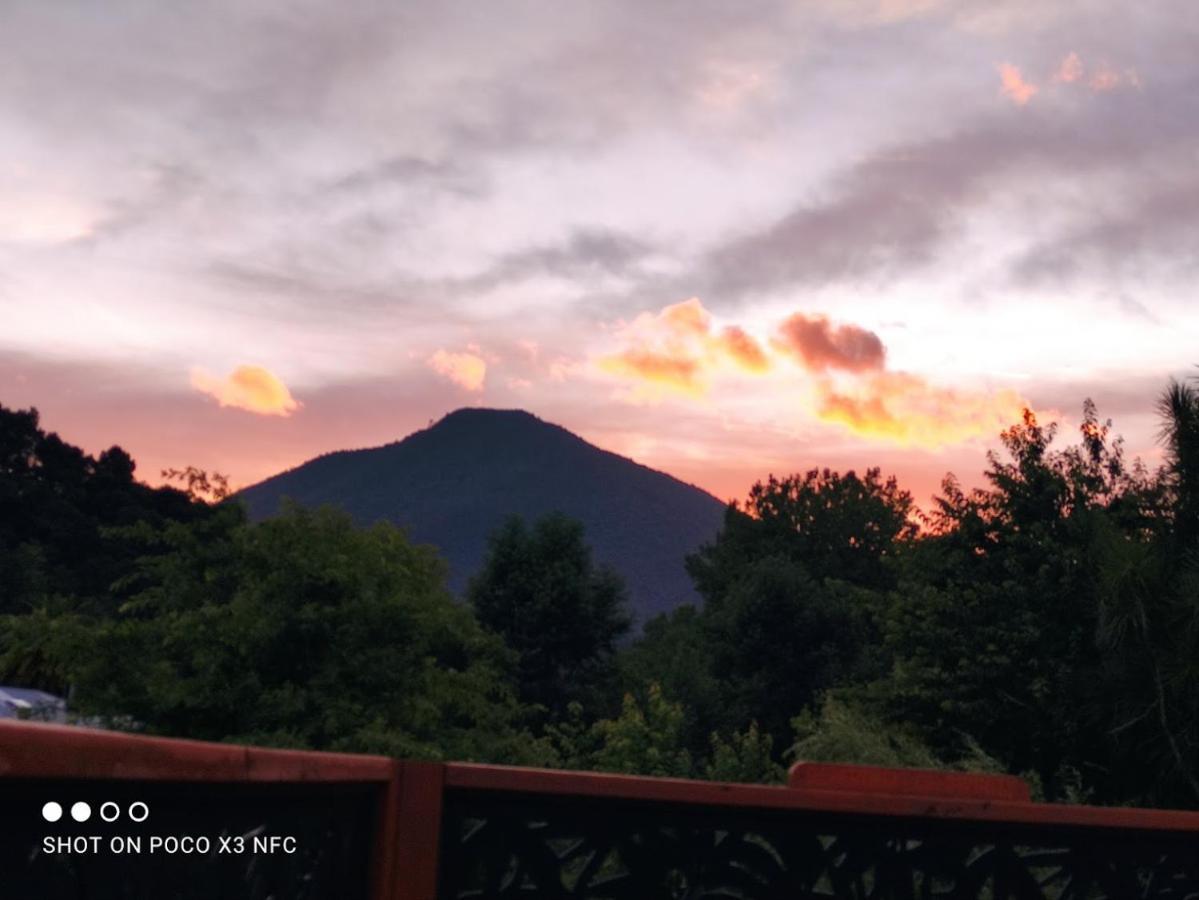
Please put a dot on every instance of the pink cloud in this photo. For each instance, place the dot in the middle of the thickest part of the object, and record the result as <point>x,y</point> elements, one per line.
<point>1014,86</point>
<point>1070,70</point>
<point>1107,78</point>
<point>820,345</point>
<point>1103,78</point>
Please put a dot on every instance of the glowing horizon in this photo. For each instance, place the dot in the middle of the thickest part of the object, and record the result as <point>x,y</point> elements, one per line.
<point>710,243</point>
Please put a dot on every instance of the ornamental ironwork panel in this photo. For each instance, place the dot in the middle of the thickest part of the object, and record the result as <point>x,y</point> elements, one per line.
<point>528,848</point>
<point>330,827</point>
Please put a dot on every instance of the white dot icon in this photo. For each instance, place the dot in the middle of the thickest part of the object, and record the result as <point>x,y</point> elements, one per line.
<point>52,812</point>
<point>81,812</point>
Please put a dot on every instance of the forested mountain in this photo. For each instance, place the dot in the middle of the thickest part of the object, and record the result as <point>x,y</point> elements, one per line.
<point>455,482</point>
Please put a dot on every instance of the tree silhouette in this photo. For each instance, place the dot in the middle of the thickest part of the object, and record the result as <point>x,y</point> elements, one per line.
<point>540,591</point>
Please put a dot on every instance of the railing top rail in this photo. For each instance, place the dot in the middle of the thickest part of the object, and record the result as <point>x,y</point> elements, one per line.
<point>40,750</point>
<point>812,794</point>
<point>35,750</point>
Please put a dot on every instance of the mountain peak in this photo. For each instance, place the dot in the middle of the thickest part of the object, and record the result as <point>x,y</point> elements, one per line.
<point>487,413</point>
<point>488,417</point>
<point>454,482</point>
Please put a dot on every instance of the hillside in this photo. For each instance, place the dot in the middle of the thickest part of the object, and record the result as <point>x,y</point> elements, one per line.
<point>452,483</point>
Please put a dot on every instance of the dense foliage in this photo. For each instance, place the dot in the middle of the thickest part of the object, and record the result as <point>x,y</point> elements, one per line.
<point>541,593</point>
<point>1046,624</point>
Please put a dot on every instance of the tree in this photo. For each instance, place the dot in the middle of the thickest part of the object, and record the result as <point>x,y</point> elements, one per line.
<point>778,638</point>
<point>64,515</point>
<point>645,739</point>
<point>674,650</point>
<point>299,631</point>
<point>842,732</point>
<point>837,526</point>
<point>199,484</point>
<point>992,626</point>
<point>539,590</point>
<point>744,758</point>
<point>791,588</point>
<point>1149,624</point>
<point>1178,408</point>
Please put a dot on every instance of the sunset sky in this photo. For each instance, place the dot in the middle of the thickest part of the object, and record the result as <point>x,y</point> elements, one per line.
<point>724,239</point>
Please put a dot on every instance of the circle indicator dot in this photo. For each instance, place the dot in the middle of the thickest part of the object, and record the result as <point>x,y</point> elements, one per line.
<point>138,811</point>
<point>81,812</point>
<point>52,811</point>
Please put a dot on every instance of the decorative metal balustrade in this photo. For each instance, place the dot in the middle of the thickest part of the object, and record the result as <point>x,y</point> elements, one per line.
<point>369,827</point>
<point>507,849</point>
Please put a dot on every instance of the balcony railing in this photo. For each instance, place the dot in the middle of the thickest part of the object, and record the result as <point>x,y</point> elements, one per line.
<point>182,819</point>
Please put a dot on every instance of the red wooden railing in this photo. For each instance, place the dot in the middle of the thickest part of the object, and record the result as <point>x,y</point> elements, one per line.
<point>409,800</point>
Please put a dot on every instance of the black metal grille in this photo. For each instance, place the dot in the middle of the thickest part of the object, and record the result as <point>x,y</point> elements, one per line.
<point>498,846</point>
<point>332,826</point>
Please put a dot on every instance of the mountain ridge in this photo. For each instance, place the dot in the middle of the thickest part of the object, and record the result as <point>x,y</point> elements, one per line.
<point>452,483</point>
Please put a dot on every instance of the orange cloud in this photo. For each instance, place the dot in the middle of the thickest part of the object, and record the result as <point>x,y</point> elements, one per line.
<point>251,388</point>
<point>905,409</point>
<point>820,345</point>
<point>679,373</point>
<point>742,349</point>
<point>1013,84</point>
<point>1070,69</point>
<point>686,317</point>
<point>467,370</point>
<point>678,348</point>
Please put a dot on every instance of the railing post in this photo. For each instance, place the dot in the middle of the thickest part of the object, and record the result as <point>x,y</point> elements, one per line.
<point>416,837</point>
<point>383,852</point>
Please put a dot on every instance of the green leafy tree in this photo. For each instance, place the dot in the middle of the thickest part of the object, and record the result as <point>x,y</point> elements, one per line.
<point>300,631</point>
<point>842,732</point>
<point>645,739</point>
<point>778,638</point>
<point>674,650</point>
<point>66,520</point>
<point>992,629</point>
<point>791,596</point>
<point>61,515</point>
<point>540,591</point>
<point>1149,625</point>
<point>745,758</point>
<point>842,526</point>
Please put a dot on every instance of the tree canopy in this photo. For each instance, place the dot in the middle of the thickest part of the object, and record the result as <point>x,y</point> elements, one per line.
<point>540,591</point>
